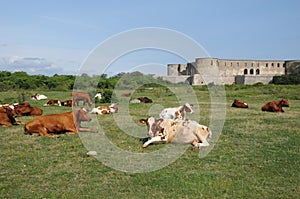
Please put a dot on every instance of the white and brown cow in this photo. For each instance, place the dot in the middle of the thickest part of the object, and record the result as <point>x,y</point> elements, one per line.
<point>176,113</point>
<point>53,102</point>
<point>102,110</point>
<point>176,131</point>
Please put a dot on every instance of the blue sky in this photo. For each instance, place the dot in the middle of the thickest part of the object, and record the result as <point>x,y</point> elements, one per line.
<point>48,37</point>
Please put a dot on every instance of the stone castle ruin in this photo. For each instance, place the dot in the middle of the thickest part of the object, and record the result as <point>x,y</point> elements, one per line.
<point>231,71</point>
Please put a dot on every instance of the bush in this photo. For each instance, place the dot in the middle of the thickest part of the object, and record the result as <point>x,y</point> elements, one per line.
<point>286,79</point>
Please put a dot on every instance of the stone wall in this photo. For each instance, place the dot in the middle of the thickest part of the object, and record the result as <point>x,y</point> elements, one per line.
<point>254,71</point>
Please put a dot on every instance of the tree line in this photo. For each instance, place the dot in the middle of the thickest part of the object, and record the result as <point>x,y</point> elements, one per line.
<point>23,81</point>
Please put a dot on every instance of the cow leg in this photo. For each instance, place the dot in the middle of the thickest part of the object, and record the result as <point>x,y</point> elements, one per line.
<point>154,139</point>
<point>83,129</point>
<point>200,140</point>
<point>44,132</point>
<point>6,124</point>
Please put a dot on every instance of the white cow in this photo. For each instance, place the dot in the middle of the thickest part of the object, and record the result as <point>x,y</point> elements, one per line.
<point>176,131</point>
<point>98,96</point>
<point>176,113</point>
<point>39,97</point>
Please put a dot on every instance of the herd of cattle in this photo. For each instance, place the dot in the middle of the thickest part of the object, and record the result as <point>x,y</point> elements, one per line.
<point>172,125</point>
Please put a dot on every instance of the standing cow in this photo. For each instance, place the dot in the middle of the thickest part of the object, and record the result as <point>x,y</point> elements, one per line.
<point>81,96</point>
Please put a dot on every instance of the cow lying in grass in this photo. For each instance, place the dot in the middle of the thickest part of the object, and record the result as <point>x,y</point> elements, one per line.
<point>7,117</point>
<point>238,104</point>
<point>275,106</point>
<point>68,122</point>
<point>176,131</point>
<point>102,110</point>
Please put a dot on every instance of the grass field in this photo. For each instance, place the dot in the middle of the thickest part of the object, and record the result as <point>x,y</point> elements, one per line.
<point>257,154</point>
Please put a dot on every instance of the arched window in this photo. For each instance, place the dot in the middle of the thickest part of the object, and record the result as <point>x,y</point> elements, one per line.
<point>245,72</point>
<point>251,71</point>
<point>257,71</point>
<point>278,65</point>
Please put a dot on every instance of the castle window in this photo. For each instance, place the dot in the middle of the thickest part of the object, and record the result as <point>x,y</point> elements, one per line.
<point>267,65</point>
<point>225,63</point>
<point>245,72</point>
<point>252,64</point>
<point>257,64</point>
<point>231,64</point>
<point>257,71</point>
<point>245,64</point>
<point>251,71</point>
<point>272,64</point>
<point>278,65</point>
<point>237,64</point>
<point>211,62</point>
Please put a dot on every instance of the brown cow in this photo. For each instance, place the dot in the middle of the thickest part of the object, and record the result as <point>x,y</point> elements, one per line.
<point>68,122</point>
<point>81,96</point>
<point>25,109</point>
<point>145,99</point>
<point>67,103</point>
<point>7,117</point>
<point>275,106</point>
<point>239,104</point>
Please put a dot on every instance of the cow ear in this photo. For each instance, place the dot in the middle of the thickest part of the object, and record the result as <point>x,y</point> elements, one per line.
<point>143,121</point>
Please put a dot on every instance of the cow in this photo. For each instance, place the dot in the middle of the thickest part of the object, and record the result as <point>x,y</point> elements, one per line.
<point>49,125</point>
<point>67,103</point>
<point>39,97</point>
<point>53,102</point>
<point>7,117</point>
<point>176,113</point>
<point>238,104</point>
<point>25,109</point>
<point>176,131</point>
<point>102,110</point>
<point>98,96</point>
<point>135,101</point>
<point>145,99</point>
<point>81,96</point>
<point>10,108</point>
<point>275,106</point>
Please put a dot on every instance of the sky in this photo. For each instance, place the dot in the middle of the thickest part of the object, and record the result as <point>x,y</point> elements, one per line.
<point>57,37</point>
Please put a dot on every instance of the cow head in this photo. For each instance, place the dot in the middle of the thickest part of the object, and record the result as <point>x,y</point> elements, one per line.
<point>82,115</point>
<point>284,102</point>
<point>153,126</point>
<point>114,108</point>
<point>188,108</point>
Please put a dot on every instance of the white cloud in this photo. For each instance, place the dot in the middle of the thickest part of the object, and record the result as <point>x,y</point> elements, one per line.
<point>40,60</point>
<point>31,65</point>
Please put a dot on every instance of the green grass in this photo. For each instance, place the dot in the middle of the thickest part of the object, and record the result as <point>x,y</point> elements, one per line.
<point>257,154</point>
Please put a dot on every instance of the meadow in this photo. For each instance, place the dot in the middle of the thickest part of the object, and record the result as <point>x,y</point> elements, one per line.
<point>256,156</point>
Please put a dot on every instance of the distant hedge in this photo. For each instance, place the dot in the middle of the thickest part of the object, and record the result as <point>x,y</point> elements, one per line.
<point>286,79</point>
